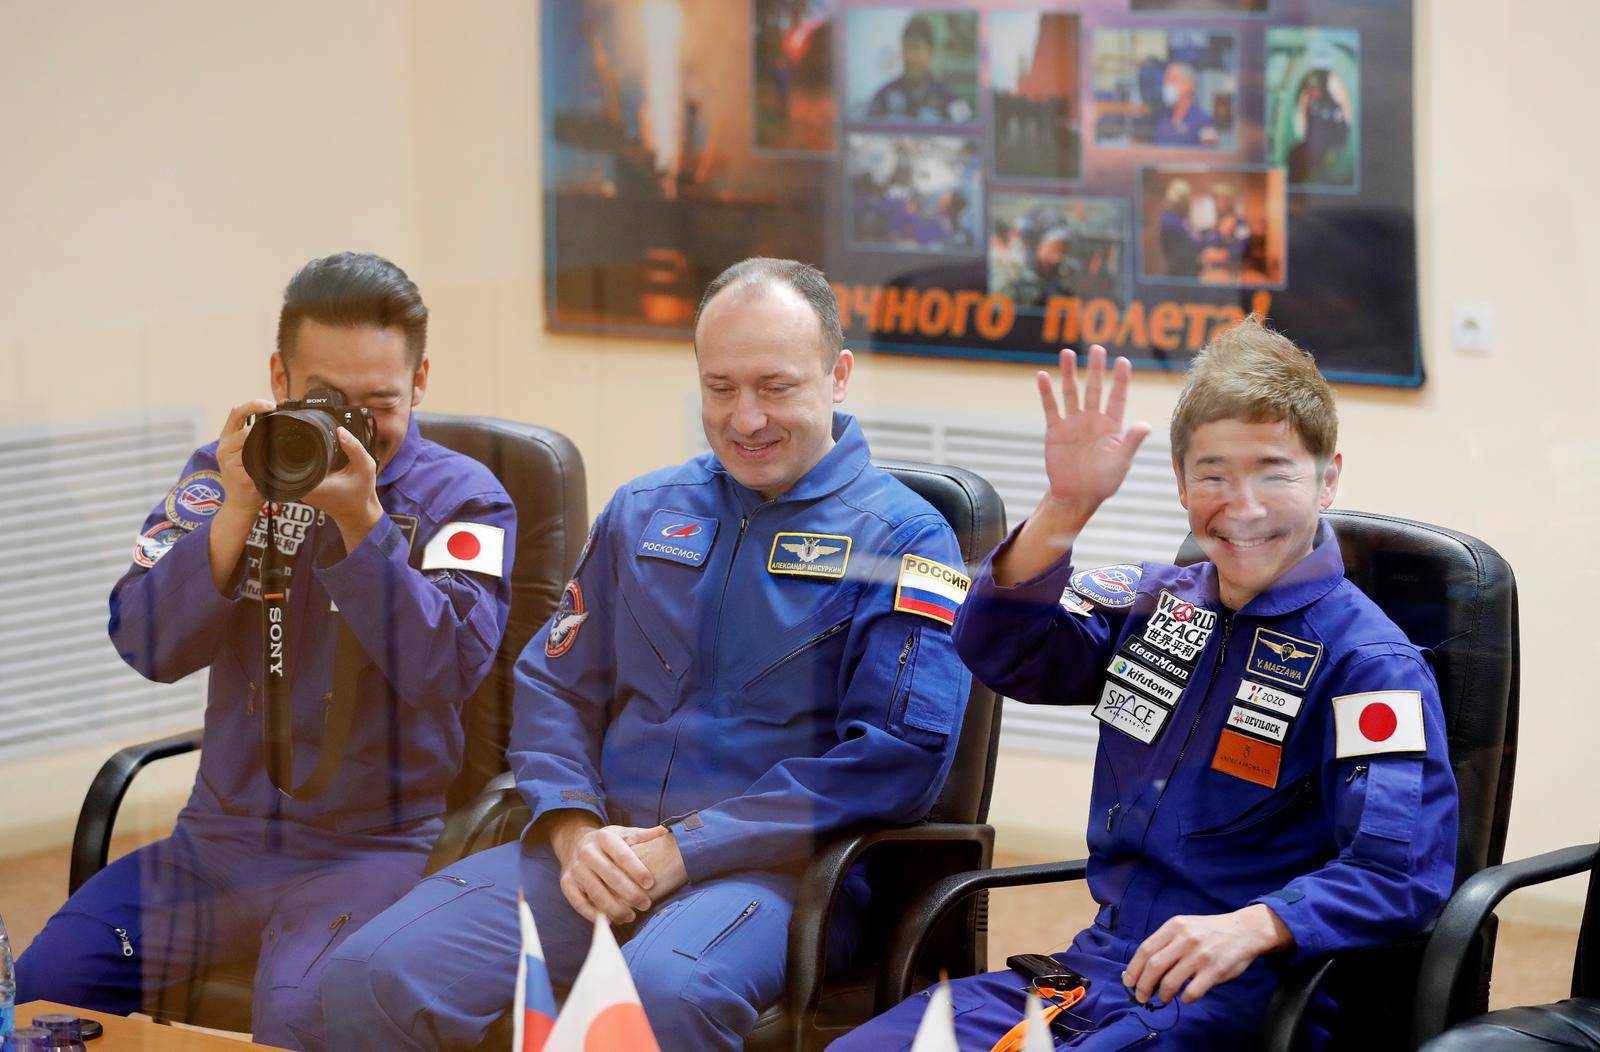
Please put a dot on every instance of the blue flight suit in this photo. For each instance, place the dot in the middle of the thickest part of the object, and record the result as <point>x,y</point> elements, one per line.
<point>248,873</point>
<point>1209,816</point>
<point>755,675</point>
<point>1189,130</point>
<point>930,101</point>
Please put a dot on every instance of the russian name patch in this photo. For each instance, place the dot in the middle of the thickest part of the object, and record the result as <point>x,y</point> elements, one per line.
<point>809,555</point>
<point>930,588</point>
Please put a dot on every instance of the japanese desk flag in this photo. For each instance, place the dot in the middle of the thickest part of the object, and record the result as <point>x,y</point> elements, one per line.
<point>535,1011</point>
<point>602,1013</point>
<point>1038,1037</point>
<point>937,1031</point>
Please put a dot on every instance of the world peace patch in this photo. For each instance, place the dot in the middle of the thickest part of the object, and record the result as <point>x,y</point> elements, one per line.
<point>1113,586</point>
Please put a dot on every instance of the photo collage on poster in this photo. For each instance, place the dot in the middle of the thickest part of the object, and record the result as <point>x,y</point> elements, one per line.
<point>991,179</point>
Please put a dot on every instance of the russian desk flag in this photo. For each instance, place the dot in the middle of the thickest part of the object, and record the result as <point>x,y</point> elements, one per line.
<point>937,1031</point>
<point>603,1013</point>
<point>535,1012</point>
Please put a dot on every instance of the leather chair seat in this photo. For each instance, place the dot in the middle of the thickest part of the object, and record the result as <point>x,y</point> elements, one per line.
<point>1573,1023</point>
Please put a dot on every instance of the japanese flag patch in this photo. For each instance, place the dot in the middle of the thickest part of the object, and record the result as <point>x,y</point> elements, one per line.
<point>1378,721</point>
<point>466,546</point>
<point>929,588</point>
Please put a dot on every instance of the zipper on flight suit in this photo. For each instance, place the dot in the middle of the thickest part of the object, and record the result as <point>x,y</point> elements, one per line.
<point>1199,711</point>
<point>127,944</point>
<point>823,637</point>
<point>740,919</point>
<point>894,692</point>
<point>716,637</point>
<point>333,932</point>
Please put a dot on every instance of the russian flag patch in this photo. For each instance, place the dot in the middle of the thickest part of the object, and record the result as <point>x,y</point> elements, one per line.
<point>930,588</point>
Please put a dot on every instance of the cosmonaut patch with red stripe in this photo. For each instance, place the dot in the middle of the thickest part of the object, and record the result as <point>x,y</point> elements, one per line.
<point>466,546</point>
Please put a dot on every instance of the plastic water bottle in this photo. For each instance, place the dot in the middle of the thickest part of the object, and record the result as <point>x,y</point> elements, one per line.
<point>8,985</point>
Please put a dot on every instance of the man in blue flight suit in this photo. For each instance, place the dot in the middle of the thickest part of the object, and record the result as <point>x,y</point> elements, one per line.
<point>917,94</point>
<point>753,653</point>
<point>1271,781</point>
<point>1184,122</point>
<point>404,552</point>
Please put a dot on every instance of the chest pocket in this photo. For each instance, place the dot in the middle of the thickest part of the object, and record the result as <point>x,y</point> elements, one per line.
<point>1390,802</point>
<point>797,675</point>
<point>661,659</point>
<point>1263,811</point>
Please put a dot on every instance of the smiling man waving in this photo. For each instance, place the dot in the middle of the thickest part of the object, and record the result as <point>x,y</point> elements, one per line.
<point>1272,776</point>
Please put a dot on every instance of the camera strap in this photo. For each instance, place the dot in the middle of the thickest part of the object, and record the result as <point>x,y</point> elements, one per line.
<point>277,717</point>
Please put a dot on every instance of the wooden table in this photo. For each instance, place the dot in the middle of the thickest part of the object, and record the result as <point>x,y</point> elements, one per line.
<point>136,1035</point>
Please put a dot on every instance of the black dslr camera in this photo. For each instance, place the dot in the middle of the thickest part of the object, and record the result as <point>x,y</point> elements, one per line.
<point>293,448</point>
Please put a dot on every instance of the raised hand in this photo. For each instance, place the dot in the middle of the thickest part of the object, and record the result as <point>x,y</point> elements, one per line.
<point>1086,452</point>
<point>1086,456</point>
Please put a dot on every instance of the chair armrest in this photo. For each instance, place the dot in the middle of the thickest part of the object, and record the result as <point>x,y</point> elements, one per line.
<point>1466,913</point>
<point>91,841</point>
<point>819,889</point>
<point>925,912</point>
<point>480,818</point>
<point>1284,1020</point>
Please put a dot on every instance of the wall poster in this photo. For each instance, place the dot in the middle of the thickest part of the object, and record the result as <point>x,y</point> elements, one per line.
<point>994,179</point>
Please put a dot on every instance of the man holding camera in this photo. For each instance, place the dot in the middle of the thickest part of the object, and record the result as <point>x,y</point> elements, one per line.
<point>387,593</point>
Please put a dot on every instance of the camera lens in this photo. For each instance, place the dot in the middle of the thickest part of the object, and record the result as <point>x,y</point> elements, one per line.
<point>290,452</point>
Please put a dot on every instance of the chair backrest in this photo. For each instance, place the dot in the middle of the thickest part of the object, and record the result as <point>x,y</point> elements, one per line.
<point>1456,598</point>
<point>543,472</point>
<point>975,511</point>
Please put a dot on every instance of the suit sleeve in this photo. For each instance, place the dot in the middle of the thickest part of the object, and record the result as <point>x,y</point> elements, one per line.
<point>432,634</point>
<point>1394,817</point>
<point>1023,643</point>
<point>565,681</point>
<point>904,694</point>
<point>167,619</point>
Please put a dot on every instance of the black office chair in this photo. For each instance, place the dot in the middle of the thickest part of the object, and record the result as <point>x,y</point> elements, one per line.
<point>1455,597</point>
<point>901,860</point>
<point>543,473</point>
<point>1447,992</point>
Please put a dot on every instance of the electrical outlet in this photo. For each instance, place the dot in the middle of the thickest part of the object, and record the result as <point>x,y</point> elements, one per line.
<point>1472,328</point>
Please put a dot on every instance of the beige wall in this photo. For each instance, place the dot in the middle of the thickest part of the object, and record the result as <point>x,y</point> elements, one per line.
<point>168,166</point>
